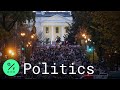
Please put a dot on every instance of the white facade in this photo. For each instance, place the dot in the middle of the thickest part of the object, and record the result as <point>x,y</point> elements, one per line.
<point>51,26</point>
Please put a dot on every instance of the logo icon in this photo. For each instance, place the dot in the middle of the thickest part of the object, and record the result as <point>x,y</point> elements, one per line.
<point>11,67</point>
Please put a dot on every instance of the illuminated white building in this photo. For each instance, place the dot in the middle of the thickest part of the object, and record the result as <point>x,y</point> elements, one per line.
<point>50,24</point>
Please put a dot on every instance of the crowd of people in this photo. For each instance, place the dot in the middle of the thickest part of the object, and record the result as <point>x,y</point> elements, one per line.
<point>59,54</point>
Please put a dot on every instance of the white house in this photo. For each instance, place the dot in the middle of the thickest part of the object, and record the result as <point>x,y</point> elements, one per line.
<point>50,24</point>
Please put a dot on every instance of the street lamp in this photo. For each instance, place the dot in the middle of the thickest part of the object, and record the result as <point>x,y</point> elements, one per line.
<point>23,46</point>
<point>22,34</point>
<point>29,43</point>
<point>11,52</point>
<point>32,36</point>
<point>89,39</point>
<point>83,35</point>
<point>85,41</point>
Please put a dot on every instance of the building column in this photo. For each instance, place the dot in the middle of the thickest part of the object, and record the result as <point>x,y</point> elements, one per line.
<point>62,33</point>
<point>42,32</point>
<point>42,28</point>
<point>52,34</point>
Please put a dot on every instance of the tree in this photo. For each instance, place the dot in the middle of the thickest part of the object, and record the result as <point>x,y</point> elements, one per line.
<point>106,24</point>
<point>9,36</point>
<point>105,33</point>
<point>81,19</point>
<point>9,18</point>
<point>8,21</point>
<point>103,26</point>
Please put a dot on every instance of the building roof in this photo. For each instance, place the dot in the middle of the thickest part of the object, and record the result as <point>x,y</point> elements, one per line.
<point>50,14</point>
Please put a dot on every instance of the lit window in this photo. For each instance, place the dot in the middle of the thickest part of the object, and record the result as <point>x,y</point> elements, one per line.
<point>57,30</point>
<point>47,30</point>
<point>66,29</point>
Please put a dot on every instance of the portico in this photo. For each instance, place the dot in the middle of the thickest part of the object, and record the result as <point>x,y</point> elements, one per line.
<point>52,31</point>
<point>53,26</point>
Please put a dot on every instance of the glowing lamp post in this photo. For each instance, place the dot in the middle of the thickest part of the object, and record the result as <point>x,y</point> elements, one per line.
<point>32,36</point>
<point>23,46</point>
<point>11,52</point>
<point>22,34</point>
<point>83,35</point>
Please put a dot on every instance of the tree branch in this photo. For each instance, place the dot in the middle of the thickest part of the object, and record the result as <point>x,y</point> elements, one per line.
<point>11,25</point>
